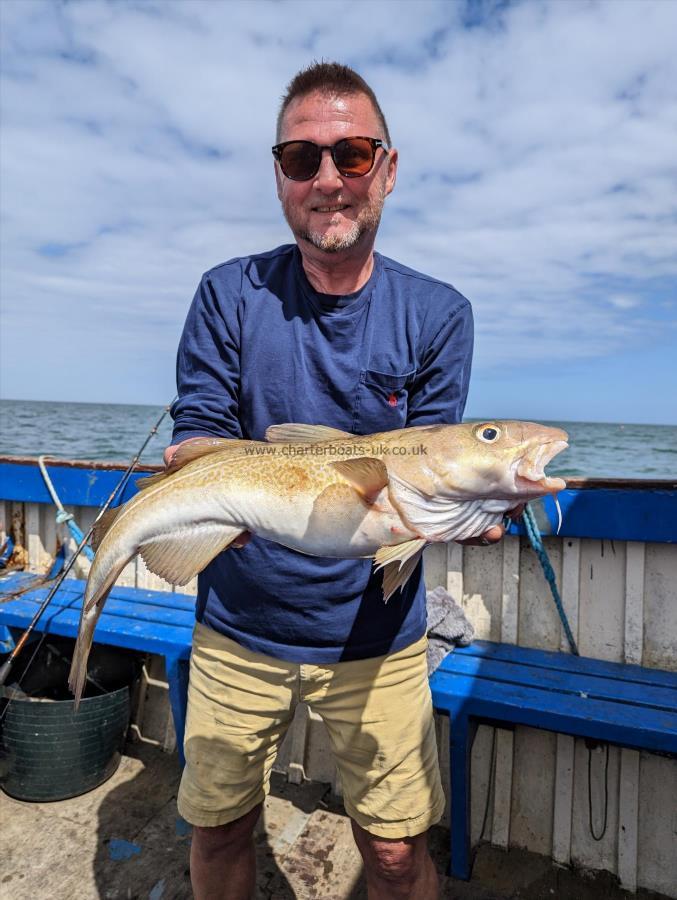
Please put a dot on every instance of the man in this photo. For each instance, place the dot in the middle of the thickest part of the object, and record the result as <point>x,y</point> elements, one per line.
<point>323,331</point>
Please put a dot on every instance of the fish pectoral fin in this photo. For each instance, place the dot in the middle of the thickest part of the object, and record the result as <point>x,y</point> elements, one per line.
<point>192,449</point>
<point>366,474</point>
<point>398,552</point>
<point>297,433</point>
<point>398,563</point>
<point>178,557</point>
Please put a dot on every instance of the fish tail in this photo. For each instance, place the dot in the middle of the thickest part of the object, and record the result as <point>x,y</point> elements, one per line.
<point>78,672</point>
<point>101,580</point>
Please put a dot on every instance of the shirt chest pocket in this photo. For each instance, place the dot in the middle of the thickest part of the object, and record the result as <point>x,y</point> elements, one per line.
<point>381,402</point>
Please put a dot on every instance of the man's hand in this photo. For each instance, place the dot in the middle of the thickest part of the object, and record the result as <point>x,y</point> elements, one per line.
<point>170,452</point>
<point>496,532</point>
<point>168,455</point>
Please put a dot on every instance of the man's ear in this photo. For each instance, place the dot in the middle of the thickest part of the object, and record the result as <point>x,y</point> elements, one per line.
<point>391,176</point>
<point>278,180</point>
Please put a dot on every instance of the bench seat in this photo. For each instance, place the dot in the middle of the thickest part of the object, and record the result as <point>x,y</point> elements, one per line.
<point>147,621</point>
<point>506,685</point>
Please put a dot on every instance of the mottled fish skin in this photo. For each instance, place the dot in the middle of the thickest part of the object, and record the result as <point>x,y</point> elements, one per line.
<point>347,496</point>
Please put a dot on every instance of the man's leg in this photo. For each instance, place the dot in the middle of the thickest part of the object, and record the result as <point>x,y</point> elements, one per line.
<point>240,705</point>
<point>379,716</point>
<point>222,860</point>
<point>397,868</point>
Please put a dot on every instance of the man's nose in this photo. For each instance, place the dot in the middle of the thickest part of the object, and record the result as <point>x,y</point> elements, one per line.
<point>328,178</point>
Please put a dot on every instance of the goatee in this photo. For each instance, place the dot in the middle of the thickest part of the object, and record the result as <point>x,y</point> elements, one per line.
<point>334,243</point>
<point>367,222</point>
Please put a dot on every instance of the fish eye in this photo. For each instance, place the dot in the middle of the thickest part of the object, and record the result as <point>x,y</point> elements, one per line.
<point>489,434</point>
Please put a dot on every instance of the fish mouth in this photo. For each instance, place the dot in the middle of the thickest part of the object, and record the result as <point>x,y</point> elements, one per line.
<point>530,474</point>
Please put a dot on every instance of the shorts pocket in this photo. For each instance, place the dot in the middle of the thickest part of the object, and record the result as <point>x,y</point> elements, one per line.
<point>381,402</point>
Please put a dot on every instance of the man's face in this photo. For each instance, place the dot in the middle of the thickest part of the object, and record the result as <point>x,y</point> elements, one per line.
<point>331,212</point>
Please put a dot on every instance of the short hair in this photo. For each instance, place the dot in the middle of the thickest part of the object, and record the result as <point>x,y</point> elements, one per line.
<point>329,78</point>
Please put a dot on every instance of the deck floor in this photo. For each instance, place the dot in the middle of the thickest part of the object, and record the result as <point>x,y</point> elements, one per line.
<point>124,841</point>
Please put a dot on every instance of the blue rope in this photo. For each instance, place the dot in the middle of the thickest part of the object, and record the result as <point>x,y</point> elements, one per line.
<point>534,536</point>
<point>58,563</point>
<point>75,530</point>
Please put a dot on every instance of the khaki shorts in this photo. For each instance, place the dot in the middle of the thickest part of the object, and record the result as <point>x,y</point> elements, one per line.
<point>378,713</point>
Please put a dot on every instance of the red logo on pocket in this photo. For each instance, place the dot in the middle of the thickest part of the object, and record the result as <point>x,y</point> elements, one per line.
<point>392,400</point>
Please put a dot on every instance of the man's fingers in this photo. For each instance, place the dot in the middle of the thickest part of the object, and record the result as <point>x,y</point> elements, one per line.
<point>241,540</point>
<point>168,455</point>
<point>492,536</point>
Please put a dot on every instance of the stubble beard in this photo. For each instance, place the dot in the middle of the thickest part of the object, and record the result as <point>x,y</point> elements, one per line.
<point>367,222</point>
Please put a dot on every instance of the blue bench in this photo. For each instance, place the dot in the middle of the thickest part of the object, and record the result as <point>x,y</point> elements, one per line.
<point>148,621</point>
<point>503,684</point>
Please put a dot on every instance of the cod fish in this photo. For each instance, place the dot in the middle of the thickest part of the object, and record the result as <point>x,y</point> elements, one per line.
<point>322,492</point>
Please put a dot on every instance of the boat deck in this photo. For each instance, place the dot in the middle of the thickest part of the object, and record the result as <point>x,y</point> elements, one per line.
<point>124,841</point>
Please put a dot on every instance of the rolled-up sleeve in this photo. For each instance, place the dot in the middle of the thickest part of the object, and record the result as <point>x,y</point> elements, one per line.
<point>208,364</point>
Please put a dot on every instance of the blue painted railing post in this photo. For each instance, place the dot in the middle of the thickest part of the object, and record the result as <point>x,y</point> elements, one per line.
<point>461,735</point>
<point>177,678</point>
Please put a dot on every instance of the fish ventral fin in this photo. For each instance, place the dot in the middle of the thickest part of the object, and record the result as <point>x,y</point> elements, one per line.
<point>180,556</point>
<point>192,449</point>
<point>366,474</point>
<point>398,563</point>
<point>102,525</point>
<point>296,433</point>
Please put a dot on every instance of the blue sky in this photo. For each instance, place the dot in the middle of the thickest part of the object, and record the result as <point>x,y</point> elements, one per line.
<point>538,174</point>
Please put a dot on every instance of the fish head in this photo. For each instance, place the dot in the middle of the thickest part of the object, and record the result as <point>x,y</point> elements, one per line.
<point>500,460</point>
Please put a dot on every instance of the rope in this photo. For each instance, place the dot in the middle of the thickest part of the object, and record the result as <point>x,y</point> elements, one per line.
<point>490,784</point>
<point>534,536</point>
<point>62,515</point>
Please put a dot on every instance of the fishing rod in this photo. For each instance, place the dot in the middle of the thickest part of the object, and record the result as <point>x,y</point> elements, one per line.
<point>6,667</point>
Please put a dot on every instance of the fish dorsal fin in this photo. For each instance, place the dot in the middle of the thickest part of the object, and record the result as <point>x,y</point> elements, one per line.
<point>366,474</point>
<point>180,556</point>
<point>142,484</point>
<point>192,449</point>
<point>398,564</point>
<point>102,525</point>
<point>296,433</point>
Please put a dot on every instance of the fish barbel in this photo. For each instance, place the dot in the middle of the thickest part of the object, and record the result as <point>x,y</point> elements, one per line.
<point>322,492</point>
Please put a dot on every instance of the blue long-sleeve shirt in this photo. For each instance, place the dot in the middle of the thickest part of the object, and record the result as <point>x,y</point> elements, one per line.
<point>260,347</point>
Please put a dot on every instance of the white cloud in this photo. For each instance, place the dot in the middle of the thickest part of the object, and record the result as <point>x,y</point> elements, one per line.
<point>624,301</point>
<point>537,167</point>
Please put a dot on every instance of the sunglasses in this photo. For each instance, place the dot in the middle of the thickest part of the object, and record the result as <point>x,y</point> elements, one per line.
<point>353,157</point>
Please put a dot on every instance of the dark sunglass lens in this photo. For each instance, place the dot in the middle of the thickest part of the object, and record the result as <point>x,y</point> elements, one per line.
<point>353,156</point>
<point>299,160</point>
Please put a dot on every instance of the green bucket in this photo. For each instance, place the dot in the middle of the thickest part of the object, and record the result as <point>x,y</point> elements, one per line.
<point>47,750</point>
<point>50,752</point>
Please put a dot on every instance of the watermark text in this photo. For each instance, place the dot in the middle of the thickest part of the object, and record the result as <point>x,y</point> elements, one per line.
<point>340,451</point>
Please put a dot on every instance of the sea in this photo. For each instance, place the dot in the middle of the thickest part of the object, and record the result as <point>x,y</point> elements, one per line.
<point>115,432</point>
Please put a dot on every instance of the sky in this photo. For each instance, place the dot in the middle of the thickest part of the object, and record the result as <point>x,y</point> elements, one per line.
<point>538,175</point>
